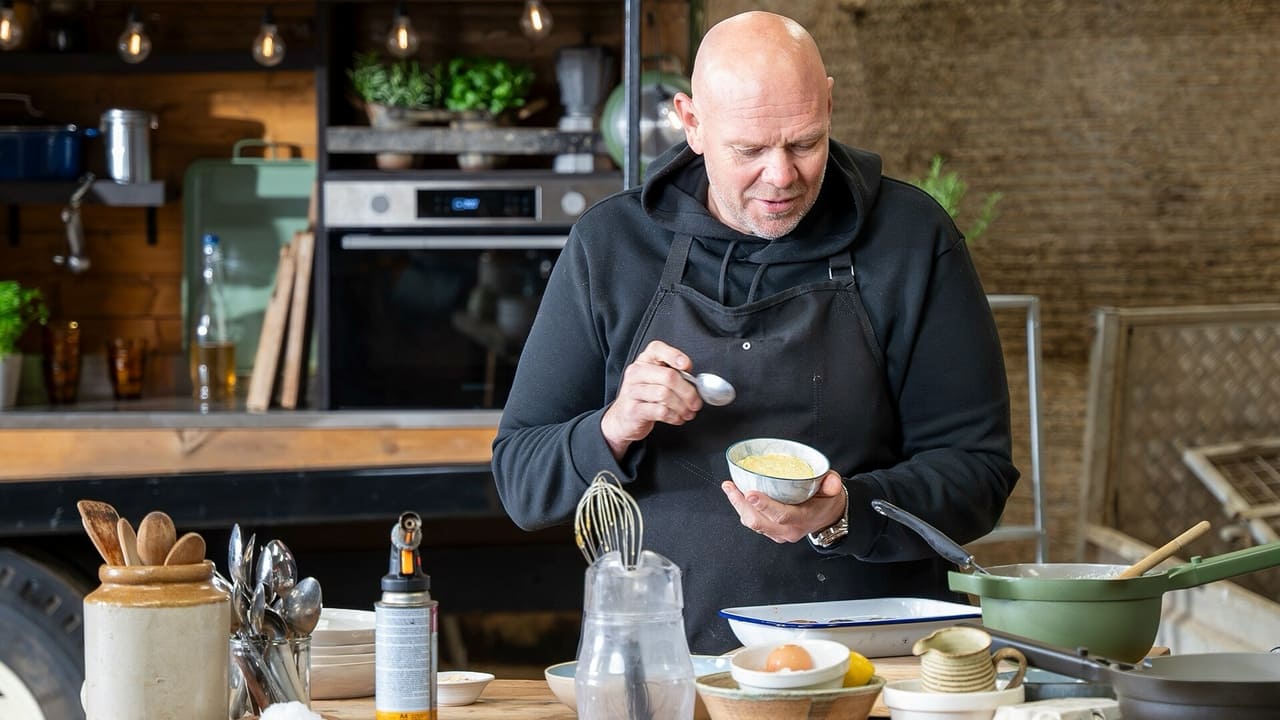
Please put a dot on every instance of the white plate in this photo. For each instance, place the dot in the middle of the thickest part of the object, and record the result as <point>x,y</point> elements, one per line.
<point>337,650</point>
<point>339,626</point>
<point>335,682</point>
<point>881,627</point>
<point>341,659</point>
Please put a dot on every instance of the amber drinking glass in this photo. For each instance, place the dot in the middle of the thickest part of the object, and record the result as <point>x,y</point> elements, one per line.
<point>62,360</point>
<point>126,366</point>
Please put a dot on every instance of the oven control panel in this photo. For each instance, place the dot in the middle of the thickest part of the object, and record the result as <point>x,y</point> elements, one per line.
<point>515,200</point>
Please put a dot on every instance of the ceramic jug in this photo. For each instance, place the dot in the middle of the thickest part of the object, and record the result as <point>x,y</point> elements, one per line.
<point>633,660</point>
<point>155,644</point>
<point>956,660</point>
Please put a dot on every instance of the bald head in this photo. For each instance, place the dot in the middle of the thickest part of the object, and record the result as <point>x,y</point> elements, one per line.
<point>760,116</point>
<point>754,52</point>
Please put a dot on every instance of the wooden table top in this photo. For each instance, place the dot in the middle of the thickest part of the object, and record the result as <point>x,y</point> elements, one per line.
<point>532,699</point>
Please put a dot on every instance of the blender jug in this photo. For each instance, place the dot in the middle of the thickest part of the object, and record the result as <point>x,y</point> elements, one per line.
<point>633,660</point>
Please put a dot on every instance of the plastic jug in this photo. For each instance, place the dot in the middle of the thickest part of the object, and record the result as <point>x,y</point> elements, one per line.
<point>633,659</point>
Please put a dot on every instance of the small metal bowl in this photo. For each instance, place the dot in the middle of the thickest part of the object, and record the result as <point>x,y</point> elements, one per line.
<point>784,490</point>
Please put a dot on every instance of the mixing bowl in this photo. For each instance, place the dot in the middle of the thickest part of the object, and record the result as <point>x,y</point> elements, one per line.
<point>784,490</point>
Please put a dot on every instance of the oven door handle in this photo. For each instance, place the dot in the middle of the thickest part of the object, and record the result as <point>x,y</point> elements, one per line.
<point>453,242</point>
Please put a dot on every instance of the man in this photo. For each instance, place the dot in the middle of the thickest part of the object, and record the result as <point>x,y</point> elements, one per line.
<point>841,304</point>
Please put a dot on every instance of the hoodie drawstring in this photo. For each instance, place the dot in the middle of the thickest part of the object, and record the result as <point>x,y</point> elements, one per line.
<point>724,272</point>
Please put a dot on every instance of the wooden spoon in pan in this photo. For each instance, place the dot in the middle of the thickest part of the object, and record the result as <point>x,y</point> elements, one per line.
<point>1164,551</point>
<point>99,521</point>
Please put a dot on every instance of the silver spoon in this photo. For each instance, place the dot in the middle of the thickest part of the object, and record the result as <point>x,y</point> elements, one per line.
<point>714,389</point>
<point>277,568</point>
<point>235,554</point>
<point>302,606</point>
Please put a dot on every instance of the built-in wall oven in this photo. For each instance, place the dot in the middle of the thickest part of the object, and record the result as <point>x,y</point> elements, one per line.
<point>429,283</point>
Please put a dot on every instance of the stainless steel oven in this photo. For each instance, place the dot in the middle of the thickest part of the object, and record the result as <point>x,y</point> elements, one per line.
<point>429,283</point>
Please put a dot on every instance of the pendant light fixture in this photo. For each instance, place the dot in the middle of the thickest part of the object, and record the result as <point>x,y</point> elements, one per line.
<point>133,44</point>
<point>268,48</point>
<point>535,22</point>
<point>403,40</point>
<point>10,28</point>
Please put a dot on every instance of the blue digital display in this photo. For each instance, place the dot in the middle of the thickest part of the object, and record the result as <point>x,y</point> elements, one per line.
<point>465,204</point>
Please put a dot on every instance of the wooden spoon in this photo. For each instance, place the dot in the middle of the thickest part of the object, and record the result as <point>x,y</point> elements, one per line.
<point>99,521</point>
<point>156,536</point>
<point>128,542</point>
<point>1164,551</point>
<point>188,550</point>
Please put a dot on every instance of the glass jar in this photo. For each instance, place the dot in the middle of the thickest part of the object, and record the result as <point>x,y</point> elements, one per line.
<point>633,661</point>
<point>266,672</point>
<point>155,644</point>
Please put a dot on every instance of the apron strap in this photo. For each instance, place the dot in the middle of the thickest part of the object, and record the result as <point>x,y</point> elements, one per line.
<point>676,258</point>
<point>839,264</point>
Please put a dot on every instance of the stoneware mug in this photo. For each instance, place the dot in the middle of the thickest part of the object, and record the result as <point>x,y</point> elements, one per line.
<point>957,660</point>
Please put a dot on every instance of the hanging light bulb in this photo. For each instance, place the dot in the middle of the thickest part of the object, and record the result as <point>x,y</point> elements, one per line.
<point>10,28</point>
<point>133,45</point>
<point>402,41</point>
<point>536,20</point>
<point>268,48</point>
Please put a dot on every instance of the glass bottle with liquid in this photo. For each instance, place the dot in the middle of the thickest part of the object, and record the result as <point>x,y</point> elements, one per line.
<point>212,349</point>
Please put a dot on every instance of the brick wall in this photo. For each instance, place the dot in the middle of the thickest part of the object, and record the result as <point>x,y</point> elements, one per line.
<point>1135,142</point>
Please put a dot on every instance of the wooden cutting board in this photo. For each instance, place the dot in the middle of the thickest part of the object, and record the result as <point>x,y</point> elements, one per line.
<point>267,358</point>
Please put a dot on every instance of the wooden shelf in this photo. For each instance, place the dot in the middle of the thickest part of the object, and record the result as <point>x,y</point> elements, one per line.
<point>103,192</point>
<point>108,63</point>
<point>446,141</point>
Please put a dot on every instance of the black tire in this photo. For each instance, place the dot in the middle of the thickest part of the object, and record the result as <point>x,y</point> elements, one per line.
<point>42,634</point>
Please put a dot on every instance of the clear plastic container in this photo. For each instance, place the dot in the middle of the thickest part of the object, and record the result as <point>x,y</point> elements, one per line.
<point>633,660</point>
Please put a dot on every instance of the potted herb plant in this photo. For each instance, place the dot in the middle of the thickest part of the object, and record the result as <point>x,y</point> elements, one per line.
<point>391,92</point>
<point>482,89</point>
<point>19,307</point>
<point>949,190</point>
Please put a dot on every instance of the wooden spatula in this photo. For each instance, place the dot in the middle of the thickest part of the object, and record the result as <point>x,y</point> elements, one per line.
<point>99,521</point>
<point>1165,551</point>
<point>156,536</point>
<point>188,550</point>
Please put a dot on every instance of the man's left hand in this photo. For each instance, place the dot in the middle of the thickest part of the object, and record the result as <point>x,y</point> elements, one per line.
<point>784,523</point>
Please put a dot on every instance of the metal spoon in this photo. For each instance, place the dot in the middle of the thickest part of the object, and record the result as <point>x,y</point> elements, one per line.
<point>946,547</point>
<point>276,568</point>
<point>302,606</point>
<point>235,554</point>
<point>714,389</point>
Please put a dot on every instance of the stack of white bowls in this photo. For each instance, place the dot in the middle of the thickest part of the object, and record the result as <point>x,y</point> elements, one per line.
<point>342,654</point>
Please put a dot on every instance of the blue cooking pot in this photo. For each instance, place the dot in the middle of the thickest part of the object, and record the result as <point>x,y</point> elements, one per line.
<point>42,152</point>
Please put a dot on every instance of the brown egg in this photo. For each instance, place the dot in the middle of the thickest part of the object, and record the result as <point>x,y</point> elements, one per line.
<point>788,657</point>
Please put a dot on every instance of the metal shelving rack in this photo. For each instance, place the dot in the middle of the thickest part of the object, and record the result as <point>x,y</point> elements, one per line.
<point>1036,531</point>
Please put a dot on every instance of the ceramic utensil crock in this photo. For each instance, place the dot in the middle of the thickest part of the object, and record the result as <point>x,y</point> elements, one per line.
<point>155,644</point>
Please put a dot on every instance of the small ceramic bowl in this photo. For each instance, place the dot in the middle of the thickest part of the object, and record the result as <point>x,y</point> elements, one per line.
<point>460,687</point>
<point>560,678</point>
<point>784,490</point>
<point>726,700</point>
<point>907,700</point>
<point>830,662</point>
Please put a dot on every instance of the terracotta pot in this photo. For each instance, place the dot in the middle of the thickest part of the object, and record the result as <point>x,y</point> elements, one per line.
<point>384,117</point>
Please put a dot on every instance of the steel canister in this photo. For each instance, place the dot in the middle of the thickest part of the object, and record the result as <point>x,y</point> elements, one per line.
<point>126,134</point>
<point>155,644</point>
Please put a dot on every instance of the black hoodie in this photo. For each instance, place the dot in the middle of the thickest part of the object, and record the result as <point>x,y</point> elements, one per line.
<point>943,369</point>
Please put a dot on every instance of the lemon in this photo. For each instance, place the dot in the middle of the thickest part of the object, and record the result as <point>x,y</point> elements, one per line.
<point>859,672</point>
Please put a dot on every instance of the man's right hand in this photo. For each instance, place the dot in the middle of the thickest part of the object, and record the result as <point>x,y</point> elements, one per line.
<point>651,392</point>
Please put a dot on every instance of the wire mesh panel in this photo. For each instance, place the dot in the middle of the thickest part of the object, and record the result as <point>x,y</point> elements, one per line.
<point>1245,478</point>
<point>1164,380</point>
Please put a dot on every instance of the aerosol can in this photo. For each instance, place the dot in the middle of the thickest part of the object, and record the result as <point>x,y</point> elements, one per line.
<point>405,649</point>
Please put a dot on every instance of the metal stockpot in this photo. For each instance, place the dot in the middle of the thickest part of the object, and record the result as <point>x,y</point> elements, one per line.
<point>126,134</point>
<point>1084,605</point>
<point>1207,686</point>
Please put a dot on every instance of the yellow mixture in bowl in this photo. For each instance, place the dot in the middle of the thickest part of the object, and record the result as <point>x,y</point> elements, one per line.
<point>777,465</point>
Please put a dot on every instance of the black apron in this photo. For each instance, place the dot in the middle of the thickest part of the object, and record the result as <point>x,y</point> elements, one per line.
<point>807,367</point>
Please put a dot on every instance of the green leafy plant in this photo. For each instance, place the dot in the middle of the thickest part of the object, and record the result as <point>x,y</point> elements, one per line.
<point>19,307</point>
<point>949,190</point>
<point>486,84</point>
<point>402,83</point>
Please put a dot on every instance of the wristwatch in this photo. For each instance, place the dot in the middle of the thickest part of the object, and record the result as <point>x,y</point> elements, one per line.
<point>833,534</point>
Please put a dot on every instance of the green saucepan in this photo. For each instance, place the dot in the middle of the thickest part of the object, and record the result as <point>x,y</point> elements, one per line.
<point>1081,605</point>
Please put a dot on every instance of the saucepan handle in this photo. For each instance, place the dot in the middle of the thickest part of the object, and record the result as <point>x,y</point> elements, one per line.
<point>1078,664</point>
<point>946,547</point>
<point>1206,570</point>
